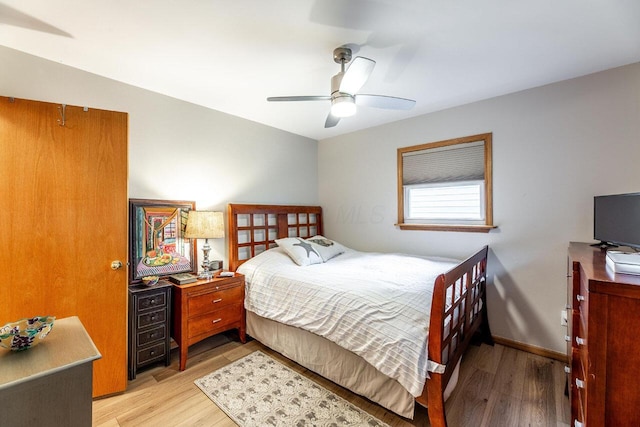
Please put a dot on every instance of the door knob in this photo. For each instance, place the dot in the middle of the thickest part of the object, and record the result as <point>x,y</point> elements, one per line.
<point>116,265</point>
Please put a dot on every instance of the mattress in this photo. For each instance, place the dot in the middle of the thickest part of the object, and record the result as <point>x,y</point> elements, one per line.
<point>373,305</point>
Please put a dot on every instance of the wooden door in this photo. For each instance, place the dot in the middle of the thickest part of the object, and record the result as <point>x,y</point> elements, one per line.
<point>63,220</point>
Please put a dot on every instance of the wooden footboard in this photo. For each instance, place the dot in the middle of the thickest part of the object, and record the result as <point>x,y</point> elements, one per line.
<point>458,310</point>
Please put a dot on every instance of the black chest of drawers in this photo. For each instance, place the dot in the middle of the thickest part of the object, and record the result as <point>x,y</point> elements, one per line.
<point>149,325</point>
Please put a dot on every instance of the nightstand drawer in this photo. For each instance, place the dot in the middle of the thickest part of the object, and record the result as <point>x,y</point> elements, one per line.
<point>218,319</point>
<point>155,300</point>
<point>150,335</point>
<point>157,351</point>
<point>214,301</point>
<point>152,317</point>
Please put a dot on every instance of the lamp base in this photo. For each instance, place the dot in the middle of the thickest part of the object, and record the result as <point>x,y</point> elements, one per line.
<point>208,274</point>
<point>209,268</point>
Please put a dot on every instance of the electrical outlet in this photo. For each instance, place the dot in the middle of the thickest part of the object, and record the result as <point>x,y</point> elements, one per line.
<point>563,317</point>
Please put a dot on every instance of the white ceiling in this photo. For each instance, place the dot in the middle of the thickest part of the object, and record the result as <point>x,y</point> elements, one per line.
<point>230,55</point>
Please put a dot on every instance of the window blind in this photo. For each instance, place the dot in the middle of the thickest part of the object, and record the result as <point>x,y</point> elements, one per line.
<point>460,162</point>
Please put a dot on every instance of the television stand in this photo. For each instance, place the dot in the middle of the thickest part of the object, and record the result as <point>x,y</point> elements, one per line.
<point>604,245</point>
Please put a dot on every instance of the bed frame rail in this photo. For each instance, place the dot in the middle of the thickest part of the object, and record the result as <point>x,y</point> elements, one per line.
<point>458,311</point>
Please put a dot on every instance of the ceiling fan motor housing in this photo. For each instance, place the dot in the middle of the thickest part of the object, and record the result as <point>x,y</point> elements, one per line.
<point>342,55</point>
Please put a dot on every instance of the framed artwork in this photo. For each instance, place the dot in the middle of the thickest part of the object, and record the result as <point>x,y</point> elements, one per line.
<point>157,246</point>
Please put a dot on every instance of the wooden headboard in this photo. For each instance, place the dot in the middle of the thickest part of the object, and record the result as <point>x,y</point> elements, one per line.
<point>254,228</point>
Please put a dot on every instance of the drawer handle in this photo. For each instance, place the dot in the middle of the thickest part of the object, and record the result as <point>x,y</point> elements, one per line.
<point>577,423</point>
<point>152,317</point>
<point>152,301</point>
<point>580,297</point>
<point>215,301</point>
<point>216,321</point>
<point>152,335</point>
<point>152,352</point>
<point>579,383</point>
<point>580,341</point>
<point>567,369</point>
<point>567,338</point>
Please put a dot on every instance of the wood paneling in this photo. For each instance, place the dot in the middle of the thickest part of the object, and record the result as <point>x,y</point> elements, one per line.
<point>64,220</point>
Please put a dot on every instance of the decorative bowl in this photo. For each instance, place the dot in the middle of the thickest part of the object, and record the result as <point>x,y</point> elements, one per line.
<point>150,280</point>
<point>25,333</point>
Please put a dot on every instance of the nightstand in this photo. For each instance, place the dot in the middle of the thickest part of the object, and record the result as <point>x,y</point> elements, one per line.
<point>149,327</point>
<point>205,308</point>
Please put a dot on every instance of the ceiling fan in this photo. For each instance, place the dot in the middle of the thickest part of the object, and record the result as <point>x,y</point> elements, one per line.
<point>344,88</point>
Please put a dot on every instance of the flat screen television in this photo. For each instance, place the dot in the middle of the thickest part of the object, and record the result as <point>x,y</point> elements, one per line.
<point>616,220</point>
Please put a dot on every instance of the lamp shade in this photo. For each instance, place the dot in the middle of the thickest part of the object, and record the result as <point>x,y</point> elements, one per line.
<point>204,225</point>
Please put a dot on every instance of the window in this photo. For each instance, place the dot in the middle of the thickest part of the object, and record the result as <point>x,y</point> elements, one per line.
<point>446,185</point>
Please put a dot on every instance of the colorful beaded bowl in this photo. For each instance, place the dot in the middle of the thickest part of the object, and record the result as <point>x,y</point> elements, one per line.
<point>25,333</point>
<point>150,280</point>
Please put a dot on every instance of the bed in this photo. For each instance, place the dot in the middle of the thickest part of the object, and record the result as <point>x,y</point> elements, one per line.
<point>455,313</point>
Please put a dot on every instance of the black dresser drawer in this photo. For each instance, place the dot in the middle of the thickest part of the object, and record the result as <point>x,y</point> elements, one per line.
<point>152,318</point>
<point>153,300</point>
<point>150,335</point>
<point>152,353</point>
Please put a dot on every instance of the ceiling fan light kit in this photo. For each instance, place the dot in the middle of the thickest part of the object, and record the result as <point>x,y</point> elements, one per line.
<point>343,105</point>
<point>344,88</point>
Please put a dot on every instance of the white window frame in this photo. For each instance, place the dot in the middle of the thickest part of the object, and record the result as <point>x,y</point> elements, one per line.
<point>449,218</point>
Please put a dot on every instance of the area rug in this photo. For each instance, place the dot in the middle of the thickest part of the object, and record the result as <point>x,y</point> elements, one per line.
<point>259,391</point>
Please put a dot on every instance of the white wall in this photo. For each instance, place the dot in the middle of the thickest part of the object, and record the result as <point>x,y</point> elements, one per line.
<point>178,150</point>
<point>554,148</point>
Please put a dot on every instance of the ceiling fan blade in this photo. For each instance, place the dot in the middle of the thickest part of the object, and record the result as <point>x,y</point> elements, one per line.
<point>382,101</point>
<point>298,98</point>
<point>331,121</point>
<point>356,75</point>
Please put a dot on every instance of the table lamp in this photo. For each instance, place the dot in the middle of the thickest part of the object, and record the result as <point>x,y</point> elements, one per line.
<point>205,225</point>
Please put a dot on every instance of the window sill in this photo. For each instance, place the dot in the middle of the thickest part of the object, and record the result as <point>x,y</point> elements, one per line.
<point>448,227</point>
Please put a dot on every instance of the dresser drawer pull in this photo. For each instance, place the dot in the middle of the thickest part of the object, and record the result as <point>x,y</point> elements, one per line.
<point>567,338</point>
<point>580,341</point>
<point>567,369</point>
<point>580,297</point>
<point>577,423</point>
<point>152,301</point>
<point>579,383</point>
<point>215,301</point>
<point>152,353</point>
<point>216,321</point>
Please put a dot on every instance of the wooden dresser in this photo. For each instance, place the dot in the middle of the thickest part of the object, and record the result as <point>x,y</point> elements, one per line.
<point>205,308</point>
<point>603,345</point>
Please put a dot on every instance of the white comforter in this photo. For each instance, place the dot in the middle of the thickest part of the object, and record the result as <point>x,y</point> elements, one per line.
<point>375,305</point>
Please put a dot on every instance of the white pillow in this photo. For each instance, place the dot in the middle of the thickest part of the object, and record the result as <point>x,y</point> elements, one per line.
<point>300,251</point>
<point>327,248</point>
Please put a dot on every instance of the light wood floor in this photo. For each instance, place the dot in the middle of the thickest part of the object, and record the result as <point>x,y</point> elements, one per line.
<point>498,386</point>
